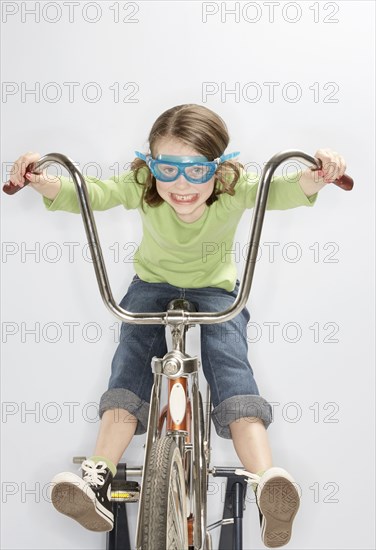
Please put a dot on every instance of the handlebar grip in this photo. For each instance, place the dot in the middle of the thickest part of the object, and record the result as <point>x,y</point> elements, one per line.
<point>345,182</point>
<point>10,189</point>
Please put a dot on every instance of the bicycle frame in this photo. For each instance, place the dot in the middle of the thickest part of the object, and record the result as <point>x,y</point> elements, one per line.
<point>176,365</point>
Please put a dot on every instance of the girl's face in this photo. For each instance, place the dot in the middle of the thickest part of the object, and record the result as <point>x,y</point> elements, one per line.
<point>187,199</point>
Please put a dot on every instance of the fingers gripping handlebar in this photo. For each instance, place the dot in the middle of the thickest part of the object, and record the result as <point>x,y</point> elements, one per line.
<point>177,316</point>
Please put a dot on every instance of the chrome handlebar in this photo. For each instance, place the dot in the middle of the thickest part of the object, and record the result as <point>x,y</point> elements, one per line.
<point>176,316</point>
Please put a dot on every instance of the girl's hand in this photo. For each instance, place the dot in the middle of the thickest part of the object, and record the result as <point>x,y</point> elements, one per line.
<point>333,165</point>
<point>45,184</point>
<point>18,170</point>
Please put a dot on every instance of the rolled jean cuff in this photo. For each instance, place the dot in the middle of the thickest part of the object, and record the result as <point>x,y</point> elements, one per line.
<point>240,406</point>
<point>120,398</point>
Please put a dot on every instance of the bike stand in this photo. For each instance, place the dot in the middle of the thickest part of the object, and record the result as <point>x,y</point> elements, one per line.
<point>122,492</point>
<point>231,537</point>
<point>231,525</point>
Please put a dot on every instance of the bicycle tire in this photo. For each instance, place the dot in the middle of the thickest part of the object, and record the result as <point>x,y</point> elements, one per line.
<point>202,511</point>
<point>164,521</point>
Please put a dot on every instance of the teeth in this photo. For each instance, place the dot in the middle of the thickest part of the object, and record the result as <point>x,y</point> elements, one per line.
<point>184,197</point>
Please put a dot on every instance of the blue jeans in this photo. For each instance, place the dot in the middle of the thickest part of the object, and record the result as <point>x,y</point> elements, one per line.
<point>224,357</point>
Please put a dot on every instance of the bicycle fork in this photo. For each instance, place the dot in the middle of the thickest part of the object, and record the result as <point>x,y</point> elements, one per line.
<point>178,367</point>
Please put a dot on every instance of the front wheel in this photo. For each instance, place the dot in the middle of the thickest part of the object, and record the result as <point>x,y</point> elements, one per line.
<point>164,521</point>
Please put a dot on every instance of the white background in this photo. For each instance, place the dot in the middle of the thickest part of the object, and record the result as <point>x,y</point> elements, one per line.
<point>318,287</point>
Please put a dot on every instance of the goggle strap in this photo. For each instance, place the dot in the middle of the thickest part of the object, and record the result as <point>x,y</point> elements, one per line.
<point>229,156</point>
<point>218,160</point>
<point>140,155</point>
<point>146,158</point>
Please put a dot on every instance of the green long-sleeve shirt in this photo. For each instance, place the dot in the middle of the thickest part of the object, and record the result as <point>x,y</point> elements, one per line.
<point>186,255</point>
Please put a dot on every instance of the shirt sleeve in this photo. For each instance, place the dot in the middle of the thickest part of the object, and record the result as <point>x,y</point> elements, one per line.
<point>103,194</point>
<point>284,193</point>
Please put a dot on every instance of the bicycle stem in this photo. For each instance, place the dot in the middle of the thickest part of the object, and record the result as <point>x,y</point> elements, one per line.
<point>176,317</point>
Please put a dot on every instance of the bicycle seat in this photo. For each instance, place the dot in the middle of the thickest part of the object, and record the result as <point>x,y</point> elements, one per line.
<point>181,303</point>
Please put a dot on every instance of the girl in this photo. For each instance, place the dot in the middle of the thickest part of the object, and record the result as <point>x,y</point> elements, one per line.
<point>188,193</point>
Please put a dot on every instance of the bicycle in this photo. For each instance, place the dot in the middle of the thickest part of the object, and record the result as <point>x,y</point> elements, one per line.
<point>173,499</point>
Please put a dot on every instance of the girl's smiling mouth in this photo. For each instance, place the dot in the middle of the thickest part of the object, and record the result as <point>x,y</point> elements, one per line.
<point>189,198</point>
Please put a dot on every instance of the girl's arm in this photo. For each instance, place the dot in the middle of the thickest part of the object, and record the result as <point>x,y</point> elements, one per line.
<point>49,186</point>
<point>333,167</point>
<point>59,192</point>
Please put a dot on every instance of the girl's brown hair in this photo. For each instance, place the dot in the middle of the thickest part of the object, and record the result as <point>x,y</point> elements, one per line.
<point>204,131</point>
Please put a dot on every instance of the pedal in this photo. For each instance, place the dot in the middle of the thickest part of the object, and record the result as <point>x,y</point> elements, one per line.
<point>125,491</point>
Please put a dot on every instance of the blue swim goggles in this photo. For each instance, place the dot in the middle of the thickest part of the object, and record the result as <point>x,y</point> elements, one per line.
<point>196,169</point>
